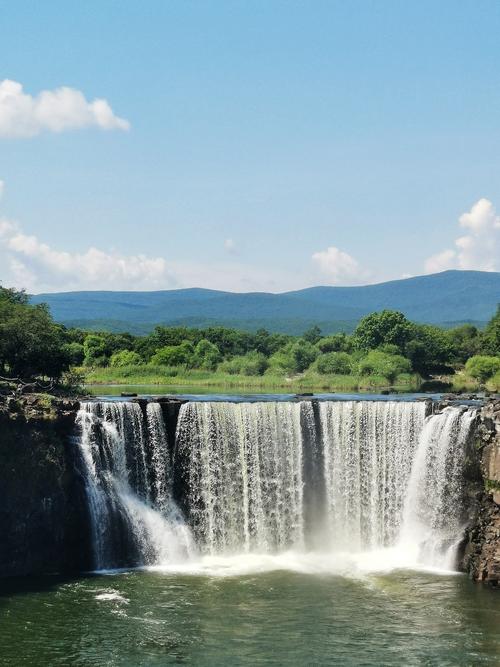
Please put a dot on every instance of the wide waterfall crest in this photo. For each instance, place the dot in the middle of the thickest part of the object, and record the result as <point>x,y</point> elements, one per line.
<point>320,479</point>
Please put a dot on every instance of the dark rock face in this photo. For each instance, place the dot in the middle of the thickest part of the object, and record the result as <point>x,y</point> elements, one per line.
<point>482,551</point>
<point>481,557</point>
<point>43,516</point>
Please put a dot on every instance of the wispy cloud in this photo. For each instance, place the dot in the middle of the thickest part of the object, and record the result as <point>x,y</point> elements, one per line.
<point>479,249</point>
<point>36,265</point>
<point>23,115</point>
<point>339,267</point>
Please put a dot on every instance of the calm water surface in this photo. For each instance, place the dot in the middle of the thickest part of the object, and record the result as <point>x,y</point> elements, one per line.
<point>271,618</point>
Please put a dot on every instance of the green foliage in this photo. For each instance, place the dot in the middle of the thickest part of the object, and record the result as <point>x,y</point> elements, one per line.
<point>491,338</point>
<point>94,348</point>
<point>482,367</point>
<point>31,344</point>
<point>337,343</point>
<point>388,326</point>
<point>334,363</point>
<point>74,353</point>
<point>389,366</point>
<point>174,355</point>
<point>206,355</point>
<point>293,358</point>
<point>125,358</point>
<point>252,363</point>
<point>312,335</point>
<point>430,349</point>
<point>465,342</point>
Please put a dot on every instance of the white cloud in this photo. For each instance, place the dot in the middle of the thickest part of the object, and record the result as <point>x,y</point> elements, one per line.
<point>479,249</point>
<point>339,266</point>
<point>230,245</point>
<point>38,267</point>
<point>22,115</point>
<point>27,262</point>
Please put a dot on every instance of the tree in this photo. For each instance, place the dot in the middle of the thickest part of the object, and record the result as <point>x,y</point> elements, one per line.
<point>312,335</point>
<point>74,353</point>
<point>31,344</point>
<point>482,367</point>
<point>491,338</point>
<point>465,341</point>
<point>333,363</point>
<point>430,350</point>
<point>174,355</point>
<point>340,342</point>
<point>125,358</point>
<point>389,366</point>
<point>95,350</point>
<point>388,326</point>
<point>294,357</point>
<point>206,355</point>
<point>252,363</point>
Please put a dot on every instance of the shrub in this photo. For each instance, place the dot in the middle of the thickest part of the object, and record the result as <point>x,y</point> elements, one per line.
<point>174,355</point>
<point>334,363</point>
<point>125,358</point>
<point>482,367</point>
<point>389,366</point>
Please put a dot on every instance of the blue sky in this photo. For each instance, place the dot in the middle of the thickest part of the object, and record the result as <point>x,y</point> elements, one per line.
<point>257,145</point>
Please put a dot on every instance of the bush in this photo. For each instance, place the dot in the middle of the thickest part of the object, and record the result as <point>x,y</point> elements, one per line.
<point>334,363</point>
<point>252,363</point>
<point>206,355</point>
<point>388,326</point>
<point>174,355</point>
<point>482,368</point>
<point>336,343</point>
<point>125,358</point>
<point>389,366</point>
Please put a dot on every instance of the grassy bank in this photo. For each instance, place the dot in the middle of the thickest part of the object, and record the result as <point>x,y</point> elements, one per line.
<point>166,376</point>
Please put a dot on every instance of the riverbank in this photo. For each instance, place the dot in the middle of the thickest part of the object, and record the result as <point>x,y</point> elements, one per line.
<point>178,377</point>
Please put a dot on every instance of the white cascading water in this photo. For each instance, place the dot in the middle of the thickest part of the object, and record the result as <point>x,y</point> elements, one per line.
<point>244,474</point>
<point>132,515</point>
<point>433,518</point>
<point>357,477</point>
<point>368,452</point>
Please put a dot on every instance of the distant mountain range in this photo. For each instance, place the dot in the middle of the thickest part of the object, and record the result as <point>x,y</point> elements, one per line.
<point>447,298</point>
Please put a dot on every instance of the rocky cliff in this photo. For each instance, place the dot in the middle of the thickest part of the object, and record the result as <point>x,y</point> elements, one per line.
<point>482,546</point>
<point>42,504</point>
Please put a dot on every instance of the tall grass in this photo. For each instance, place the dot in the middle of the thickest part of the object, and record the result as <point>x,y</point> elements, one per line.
<point>180,376</point>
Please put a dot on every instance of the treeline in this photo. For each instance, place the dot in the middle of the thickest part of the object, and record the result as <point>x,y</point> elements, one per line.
<point>384,344</point>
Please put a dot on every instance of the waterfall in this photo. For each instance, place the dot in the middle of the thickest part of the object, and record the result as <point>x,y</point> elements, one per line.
<point>368,452</point>
<point>133,519</point>
<point>243,464</point>
<point>435,509</point>
<point>330,477</point>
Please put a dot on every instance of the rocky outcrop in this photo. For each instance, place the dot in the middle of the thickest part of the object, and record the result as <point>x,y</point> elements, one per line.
<point>481,557</point>
<point>43,523</point>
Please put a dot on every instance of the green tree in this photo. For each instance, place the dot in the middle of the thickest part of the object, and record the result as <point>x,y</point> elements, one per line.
<point>430,350</point>
<point>74,352</point>
<point>389,366</point>
<point>252,363</point>
<point>125,358</point>
<point>491,338</point>
<point>340,342</point>
<point>482,367</point>
<point>388,326</point>
<point>31,344</point>
<point>174,355</point>
<point>312,335</point>
<point>206,355</point>
<point>95,350</point>
<point>333,363</point>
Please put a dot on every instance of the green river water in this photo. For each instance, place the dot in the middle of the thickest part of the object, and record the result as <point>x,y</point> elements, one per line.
<point>261,618</point>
